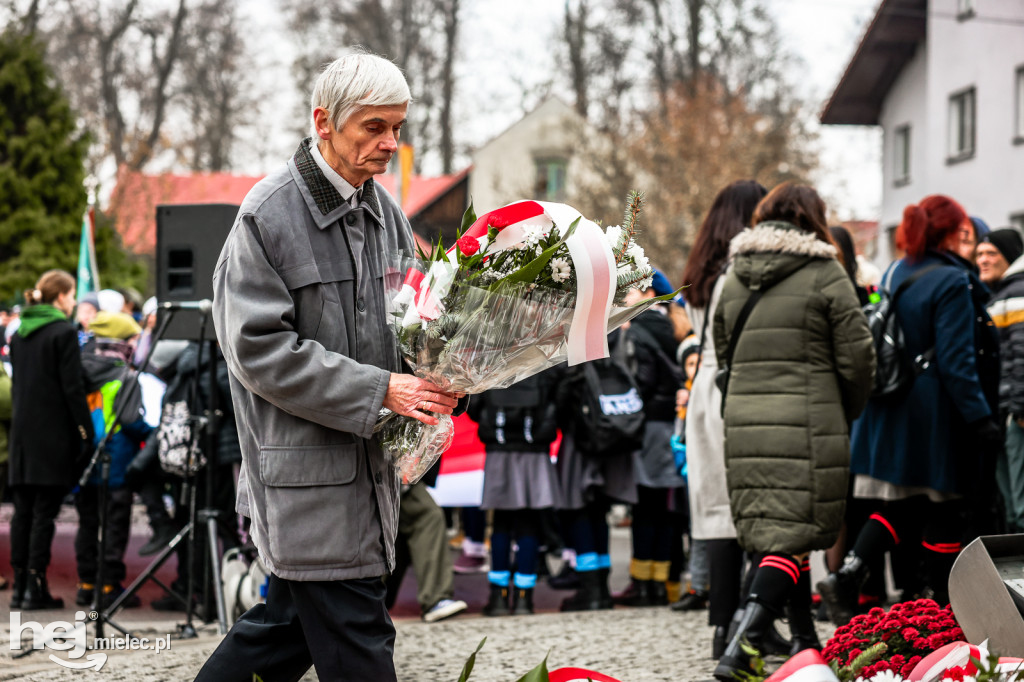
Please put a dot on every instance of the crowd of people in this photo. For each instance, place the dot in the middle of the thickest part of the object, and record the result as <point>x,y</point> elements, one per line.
<point>742,425</point>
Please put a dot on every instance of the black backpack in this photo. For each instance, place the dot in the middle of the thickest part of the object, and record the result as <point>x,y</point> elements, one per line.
<point>608,411</point>
<point>895,369</point>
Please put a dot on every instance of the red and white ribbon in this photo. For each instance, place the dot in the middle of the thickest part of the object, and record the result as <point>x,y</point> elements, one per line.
<point>591,255</point>
<point>806,666</point>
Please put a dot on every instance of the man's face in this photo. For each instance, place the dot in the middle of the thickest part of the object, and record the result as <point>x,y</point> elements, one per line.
<point>991,263</point>
<point>364,145</point>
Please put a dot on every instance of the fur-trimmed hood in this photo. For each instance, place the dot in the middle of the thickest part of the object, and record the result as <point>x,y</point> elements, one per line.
<point>771,251</point>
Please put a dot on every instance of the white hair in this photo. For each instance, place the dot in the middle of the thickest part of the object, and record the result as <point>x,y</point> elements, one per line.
<point>355,81</point>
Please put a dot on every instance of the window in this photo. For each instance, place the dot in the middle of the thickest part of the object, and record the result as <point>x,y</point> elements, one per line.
<point>964,9</point>
<point>961,125</point>
<point>1018,127</point>
<point>550,184</point>
<point>901,156</point>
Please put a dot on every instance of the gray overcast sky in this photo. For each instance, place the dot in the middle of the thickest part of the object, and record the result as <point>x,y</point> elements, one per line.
<point>505,42</point>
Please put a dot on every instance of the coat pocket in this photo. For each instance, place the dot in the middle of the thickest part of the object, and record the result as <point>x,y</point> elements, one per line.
<point>315,516</point>
<point>317,291</point>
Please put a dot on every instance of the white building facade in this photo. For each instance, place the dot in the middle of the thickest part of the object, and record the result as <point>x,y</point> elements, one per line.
<point>945,81</point>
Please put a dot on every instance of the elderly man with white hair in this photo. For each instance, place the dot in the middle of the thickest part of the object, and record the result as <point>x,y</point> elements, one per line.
<point>299,308</point>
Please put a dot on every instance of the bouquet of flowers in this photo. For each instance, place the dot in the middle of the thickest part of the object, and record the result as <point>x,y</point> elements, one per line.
<point>890,644</point>
<point>525,287</point>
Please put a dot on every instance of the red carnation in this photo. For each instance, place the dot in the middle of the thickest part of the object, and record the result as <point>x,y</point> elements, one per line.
<point>468,245</point>
<point>909,633</point>
<point>909,667</point>
<point>499,221</point>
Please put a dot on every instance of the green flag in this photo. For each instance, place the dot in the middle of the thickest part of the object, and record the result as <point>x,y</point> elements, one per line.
<point>88,276</point>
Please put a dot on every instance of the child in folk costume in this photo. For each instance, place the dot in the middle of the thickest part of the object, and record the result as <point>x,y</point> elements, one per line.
<point>517,426</point>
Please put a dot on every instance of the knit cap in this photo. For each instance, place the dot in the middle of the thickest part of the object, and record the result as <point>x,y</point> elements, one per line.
<point>1007,240</point>
<point>689,346</point>
<point>108,325</point>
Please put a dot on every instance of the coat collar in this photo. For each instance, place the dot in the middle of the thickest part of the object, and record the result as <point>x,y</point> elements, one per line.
<point>324,201</point>
<point>780,237</point>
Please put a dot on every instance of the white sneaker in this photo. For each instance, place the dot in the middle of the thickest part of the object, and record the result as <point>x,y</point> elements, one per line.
<point>446,608</point>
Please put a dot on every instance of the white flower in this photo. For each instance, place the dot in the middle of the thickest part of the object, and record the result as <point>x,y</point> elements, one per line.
<point>612,234</point>
<point>560,269</point>
<point>636,252</point>
<point>889,676</point>
<point>533,233</point>
<point>646,283</point>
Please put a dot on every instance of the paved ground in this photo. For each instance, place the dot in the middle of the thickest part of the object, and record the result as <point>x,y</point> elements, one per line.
<point>633,645</point>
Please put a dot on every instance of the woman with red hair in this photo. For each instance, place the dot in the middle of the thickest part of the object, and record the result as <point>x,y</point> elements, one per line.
<point>917,455</point>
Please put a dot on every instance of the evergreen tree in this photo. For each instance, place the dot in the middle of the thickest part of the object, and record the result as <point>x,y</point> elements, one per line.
<point>42,196</point>
<point>42,173</point>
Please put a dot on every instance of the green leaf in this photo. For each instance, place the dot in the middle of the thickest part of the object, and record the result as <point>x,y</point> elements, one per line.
<point>468,218</point>
<point>532,270</point>
<point>471,661</point>
<point>538,674</point>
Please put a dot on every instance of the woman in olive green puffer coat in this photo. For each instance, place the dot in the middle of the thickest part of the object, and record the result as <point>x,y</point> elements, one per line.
<point>801,371</point>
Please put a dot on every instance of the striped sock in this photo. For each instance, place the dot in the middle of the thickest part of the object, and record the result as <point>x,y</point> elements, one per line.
<point>776,576</point>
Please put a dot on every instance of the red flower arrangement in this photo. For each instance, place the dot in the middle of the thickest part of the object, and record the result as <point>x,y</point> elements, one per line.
<point>894,640</point>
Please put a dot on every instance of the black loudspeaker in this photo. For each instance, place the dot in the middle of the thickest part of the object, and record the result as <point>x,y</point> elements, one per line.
<point>189,239</point>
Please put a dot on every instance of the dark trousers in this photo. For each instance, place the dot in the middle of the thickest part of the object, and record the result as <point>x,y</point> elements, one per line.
<point>339,627</point>
<point>654,524</point>
<point>118,529</point>
<point>32,526</point>
<point>423,543</point>
<point>726,560</point>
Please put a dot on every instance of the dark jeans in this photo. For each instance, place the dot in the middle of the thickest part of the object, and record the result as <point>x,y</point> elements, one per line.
<point>340,627</point>
<point>118,530</point>
<point>32,526</point>
<point>654,525</point>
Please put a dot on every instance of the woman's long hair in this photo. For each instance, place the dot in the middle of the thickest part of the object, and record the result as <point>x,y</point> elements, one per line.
<point>729,214</point>
<point>931,224</point>
<point>797,205</point>
<point>844,242</point>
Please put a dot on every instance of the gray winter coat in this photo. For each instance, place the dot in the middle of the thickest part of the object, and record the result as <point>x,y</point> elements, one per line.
<point>303,329</point>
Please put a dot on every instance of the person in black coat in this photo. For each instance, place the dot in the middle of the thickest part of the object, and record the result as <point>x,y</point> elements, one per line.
<point>656,523</point>
<point>51,431</point>
<point>927,457</point>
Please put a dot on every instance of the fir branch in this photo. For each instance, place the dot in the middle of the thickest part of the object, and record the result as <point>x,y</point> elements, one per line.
<point>631,279</point>
<point>635,205</point>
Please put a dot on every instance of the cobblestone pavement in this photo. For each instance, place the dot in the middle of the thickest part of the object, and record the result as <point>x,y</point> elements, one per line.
<point>632,645</point>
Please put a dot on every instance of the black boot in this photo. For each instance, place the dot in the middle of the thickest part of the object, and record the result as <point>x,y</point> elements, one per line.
<point>522,601</point>
<point>719,641</point>
<point>774,643</point>
<point>694,600</point>
<point>567,579</point>
<point>603,590</point>
<point>637,593</point>
<point>37,594</point>
<point>18,590</point>
<point>589,596</point>
<point>801,629</point>
<point>163,533</point>
<point>757,621</point>
<point>839,590</point>
<point>497,603</point>
<point>657,592</point>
